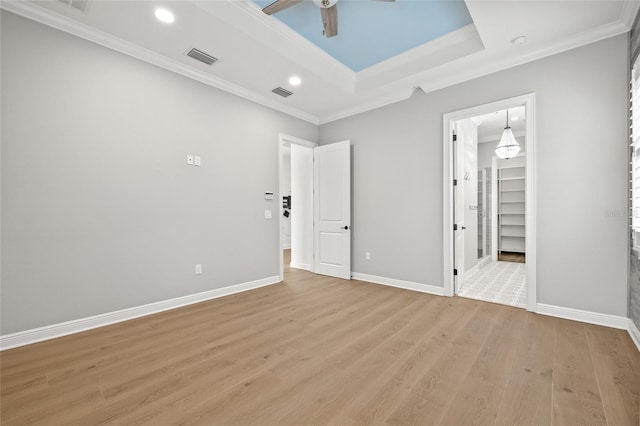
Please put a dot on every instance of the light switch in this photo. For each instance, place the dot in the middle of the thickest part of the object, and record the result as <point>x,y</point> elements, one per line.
<point>190,160</point>
<point>267,214</point>
<point>197,160</point>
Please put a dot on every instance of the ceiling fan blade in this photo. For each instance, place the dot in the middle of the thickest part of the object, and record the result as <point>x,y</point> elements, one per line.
<point>330,20</point>
<point>279,5</point>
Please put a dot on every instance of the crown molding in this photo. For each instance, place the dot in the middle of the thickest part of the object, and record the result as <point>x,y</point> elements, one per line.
<point>444,49</point>
<point>47,17</point>
<point>485,63</point>
<point>472,67</point>
<point>379,101</point>
<point>247,17</point>
<point>629,12</point>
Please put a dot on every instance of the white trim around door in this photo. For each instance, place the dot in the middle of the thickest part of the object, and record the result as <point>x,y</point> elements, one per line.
<point>528,101</point>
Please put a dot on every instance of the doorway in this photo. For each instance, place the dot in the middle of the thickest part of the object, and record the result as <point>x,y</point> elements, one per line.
<point>296,210</point>
<point>489,204</point>
<point>315,212</point>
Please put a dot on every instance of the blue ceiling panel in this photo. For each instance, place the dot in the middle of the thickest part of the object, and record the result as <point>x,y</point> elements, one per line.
<point>370,32</point>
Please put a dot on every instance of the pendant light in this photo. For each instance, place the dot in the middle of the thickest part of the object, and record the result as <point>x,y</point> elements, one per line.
<point>508,146</point>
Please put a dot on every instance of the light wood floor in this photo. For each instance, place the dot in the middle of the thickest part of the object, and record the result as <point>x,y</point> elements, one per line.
<point>316,350</point>
<point>509,256</point>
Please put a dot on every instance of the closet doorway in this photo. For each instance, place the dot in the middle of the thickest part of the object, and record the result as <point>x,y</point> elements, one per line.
<point>489,225</point>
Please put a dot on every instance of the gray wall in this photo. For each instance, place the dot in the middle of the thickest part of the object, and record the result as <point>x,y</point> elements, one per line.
<point>99,210</point>
<point>582,176</point>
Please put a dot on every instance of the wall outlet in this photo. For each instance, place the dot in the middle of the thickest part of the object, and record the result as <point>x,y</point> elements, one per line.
<point>267,214</point>
<point>198,269</point>
<point>197,160</point>
<point>190,160</point>
<point>367,255</point>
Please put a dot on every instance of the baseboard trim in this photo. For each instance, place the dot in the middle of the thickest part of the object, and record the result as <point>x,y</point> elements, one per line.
<point>472,271</point>
<point>606,320</point>
<point>300,266</point>
<point>407,285</point>
<point>634,333</point>
<point>35,335</point>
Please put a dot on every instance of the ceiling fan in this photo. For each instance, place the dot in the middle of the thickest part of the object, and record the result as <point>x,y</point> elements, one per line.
<point>328,9</point>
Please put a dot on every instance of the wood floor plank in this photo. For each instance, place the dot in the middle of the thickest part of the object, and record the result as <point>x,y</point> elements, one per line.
<point>527,398</point>
<point>576,397</point>
<point>478,400</point>
<point>430,397</point>
<point>381,397</point>
<point>323,351</point>
<point>618,381</point>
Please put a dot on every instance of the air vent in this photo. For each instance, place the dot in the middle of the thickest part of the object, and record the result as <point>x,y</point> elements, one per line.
<point>282,92</point>
<point>81,5</point>
<point>201,56</point>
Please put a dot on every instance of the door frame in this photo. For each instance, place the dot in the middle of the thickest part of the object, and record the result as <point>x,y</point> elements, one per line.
<point>283,140</point>
<point>529,101</point>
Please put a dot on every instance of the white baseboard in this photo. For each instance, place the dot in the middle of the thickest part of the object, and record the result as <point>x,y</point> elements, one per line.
<point>472,271</point>
<point>634,333</point>
<point>484,261</point>
<point>300,266</point>
<point>606,320</point>
<point>83,324</point>
<point>407,285</point>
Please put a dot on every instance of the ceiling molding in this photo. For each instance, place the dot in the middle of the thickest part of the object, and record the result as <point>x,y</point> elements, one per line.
<point>441,50</point>
<point>45,16</point>
<point>247,17</point>
<point>379,101</point>
<point>482,64</point>
<point>629,12</point>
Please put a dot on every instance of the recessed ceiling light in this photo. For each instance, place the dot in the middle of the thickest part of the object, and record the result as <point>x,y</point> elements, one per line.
<point>516,118</point>
<point>294,80</point>
<point>519,40</point>
<point>165,16</point>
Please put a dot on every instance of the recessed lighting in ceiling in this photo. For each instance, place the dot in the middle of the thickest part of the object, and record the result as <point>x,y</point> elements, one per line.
<point>516,118</point>
<point>519,40</point>
<point>165,16</point>
<point>294,80</point>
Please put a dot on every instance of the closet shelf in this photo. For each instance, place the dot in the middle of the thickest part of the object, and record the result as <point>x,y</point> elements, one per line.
<point>511,205</point>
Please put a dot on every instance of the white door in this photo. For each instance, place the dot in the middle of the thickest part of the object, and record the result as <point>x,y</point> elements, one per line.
<point>332,210</point>
<point>458,210</point>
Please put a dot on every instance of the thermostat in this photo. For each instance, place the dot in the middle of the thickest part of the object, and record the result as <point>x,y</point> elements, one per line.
<point>268,195</point>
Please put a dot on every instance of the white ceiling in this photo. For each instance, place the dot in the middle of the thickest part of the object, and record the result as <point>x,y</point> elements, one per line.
<point>258,53</point>
<point>490,126</point>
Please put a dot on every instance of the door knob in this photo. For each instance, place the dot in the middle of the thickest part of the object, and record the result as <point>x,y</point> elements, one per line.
<point>346,227</point>
<point>464,227</point>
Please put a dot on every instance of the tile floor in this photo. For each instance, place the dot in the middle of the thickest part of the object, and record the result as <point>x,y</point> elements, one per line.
<point>497,282</point>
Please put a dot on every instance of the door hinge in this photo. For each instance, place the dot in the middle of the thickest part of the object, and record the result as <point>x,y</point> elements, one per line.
<point>455,137</point>
<point>455,182</point>
<point>455,227</point>
<point>455,272</point>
